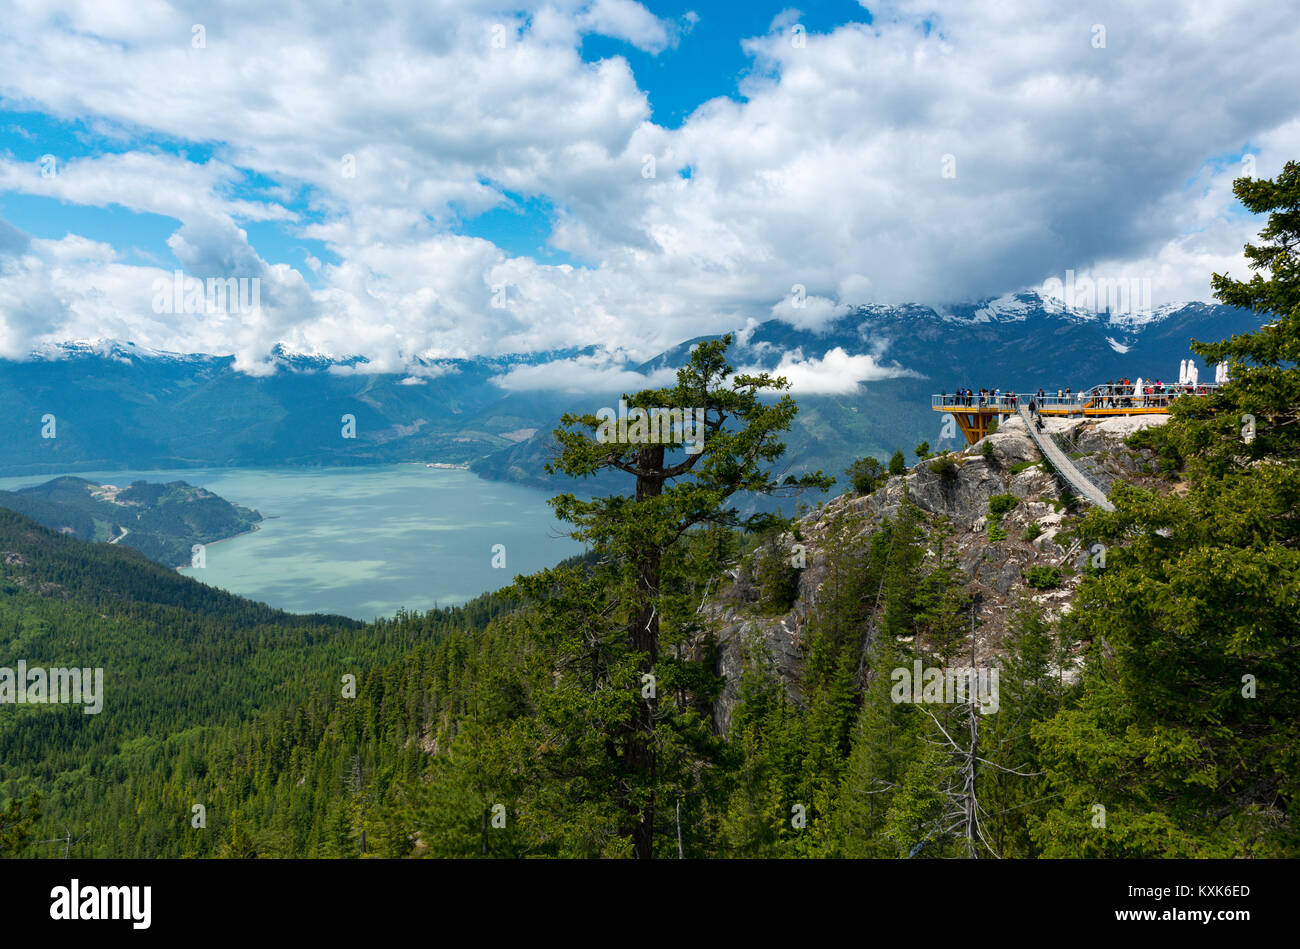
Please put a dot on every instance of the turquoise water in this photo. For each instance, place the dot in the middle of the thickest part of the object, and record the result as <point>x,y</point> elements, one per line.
<point>364,542</point>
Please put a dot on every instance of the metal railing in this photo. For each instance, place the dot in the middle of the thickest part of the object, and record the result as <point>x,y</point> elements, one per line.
<point>1005,402</point>
<point>1098,398</point>
<point>1151,397</point>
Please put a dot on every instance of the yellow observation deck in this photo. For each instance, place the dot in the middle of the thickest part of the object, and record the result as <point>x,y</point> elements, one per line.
<point>973,412</point>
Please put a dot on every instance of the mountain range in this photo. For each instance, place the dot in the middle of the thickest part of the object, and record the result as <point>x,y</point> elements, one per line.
<point>863,380</point>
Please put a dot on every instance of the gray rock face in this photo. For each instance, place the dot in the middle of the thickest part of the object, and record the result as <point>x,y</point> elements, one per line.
<point>995,570</point>
<point>961,498</point>
<point>737,634</point>
<point>1109,434</point>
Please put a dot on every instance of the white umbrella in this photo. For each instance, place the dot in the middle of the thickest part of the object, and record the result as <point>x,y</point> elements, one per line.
<point>1192,375</point>
<point>1182,372</point>
<point>1221,377</point>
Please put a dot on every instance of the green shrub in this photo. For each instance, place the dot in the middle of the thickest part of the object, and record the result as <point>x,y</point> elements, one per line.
<point>1033,531</point>
<point>987,450</point>
<point>1021,466</point>
<point>922,451</point>
<point>999,504</point>
<point>776,578</point>
<point>898,464</point>
<point>1155,439</point>
<point>944,467</point>
<point>996,532</point>
<point>1043,578</point>
<point>865,474</point>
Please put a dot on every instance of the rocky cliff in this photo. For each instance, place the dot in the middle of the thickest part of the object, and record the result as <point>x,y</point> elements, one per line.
<point>1035,528</point>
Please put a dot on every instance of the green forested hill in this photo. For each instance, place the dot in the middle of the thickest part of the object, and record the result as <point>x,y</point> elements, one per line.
<point>162,521</point>
<point>176,656</point>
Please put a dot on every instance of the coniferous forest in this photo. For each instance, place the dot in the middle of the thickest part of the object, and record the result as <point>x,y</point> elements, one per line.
<point>574,713</point>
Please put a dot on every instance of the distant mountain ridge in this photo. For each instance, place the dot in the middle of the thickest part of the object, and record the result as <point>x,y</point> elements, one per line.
<point>115,404</point>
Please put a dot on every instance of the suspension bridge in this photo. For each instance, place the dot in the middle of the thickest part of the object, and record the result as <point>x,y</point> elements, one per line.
<point>975,411</point>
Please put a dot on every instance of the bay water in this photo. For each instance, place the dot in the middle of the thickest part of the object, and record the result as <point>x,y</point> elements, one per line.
<point>364,542</point>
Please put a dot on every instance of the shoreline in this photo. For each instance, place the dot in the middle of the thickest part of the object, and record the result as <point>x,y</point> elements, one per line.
<point>252,530</point>
<point>31,478</point>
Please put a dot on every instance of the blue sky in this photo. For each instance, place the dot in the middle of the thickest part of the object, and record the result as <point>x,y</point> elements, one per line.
<point>28,136</point>
<point>707,62</point>
<point>455,179</point>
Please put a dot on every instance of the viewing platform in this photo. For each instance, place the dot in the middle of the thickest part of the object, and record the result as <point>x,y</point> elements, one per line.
<point>973,412</point>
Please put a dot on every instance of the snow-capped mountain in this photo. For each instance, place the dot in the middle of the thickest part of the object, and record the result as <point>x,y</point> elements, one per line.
<point>863,381</point>
<point>1026,305</point>
<point>115,349</point>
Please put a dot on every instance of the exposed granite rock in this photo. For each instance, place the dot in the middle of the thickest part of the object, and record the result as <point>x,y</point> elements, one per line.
<point>994,570</point>
<point>1103,436</point>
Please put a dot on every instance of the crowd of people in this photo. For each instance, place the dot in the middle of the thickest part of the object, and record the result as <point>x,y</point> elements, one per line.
<point>1118,393</point>
<point>1001,397</point>
<point>1125,394</point>
<point>970,399</point>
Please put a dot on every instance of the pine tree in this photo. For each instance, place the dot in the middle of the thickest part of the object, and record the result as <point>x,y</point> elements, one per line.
<point>1187,738</point>
<point>1032,688</point>
<point>16,823</point>
<point>883,743</point>
<point>635,534</point>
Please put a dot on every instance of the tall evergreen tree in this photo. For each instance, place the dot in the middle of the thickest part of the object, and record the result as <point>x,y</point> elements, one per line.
<point>1187,738</point>
<point>675,490</point>
<point>16,822</point>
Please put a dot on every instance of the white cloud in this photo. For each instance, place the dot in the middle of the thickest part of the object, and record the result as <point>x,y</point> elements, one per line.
<point>808,312</point>
<point>625,20</point>
<point>596,374</point>
<point>828,174</point>
<point>141,181</point>
<point>836,373</point>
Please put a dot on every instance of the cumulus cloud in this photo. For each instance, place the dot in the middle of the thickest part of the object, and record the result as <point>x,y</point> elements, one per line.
<point>805,312</point>
<point>597,374</point>
<point>625,20</point>
<point>835,373</point>
<point>141,181</point>
<point>943,153</point>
